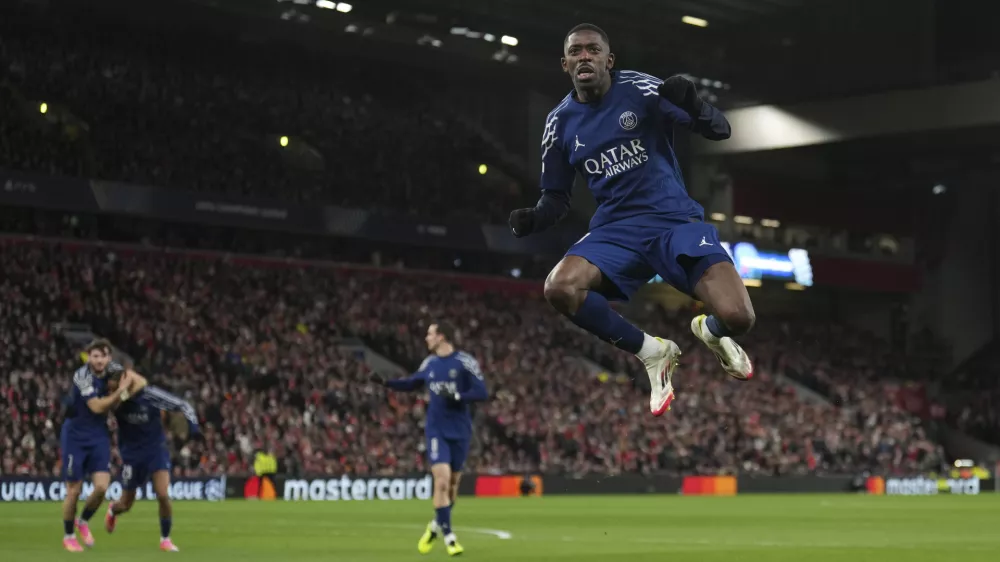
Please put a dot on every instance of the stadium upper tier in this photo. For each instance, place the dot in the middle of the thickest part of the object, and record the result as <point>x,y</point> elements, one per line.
<point>254,345</point>
<point>198,113</point>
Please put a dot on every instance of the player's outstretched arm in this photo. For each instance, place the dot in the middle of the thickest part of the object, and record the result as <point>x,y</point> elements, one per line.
<point>698,115</point>
<point>407,384</point>
<point>170,403</point>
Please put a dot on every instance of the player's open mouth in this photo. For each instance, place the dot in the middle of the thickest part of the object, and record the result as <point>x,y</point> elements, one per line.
<point>585,73</point>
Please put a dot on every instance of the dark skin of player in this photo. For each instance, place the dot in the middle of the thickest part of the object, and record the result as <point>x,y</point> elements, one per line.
<point>588,60</point>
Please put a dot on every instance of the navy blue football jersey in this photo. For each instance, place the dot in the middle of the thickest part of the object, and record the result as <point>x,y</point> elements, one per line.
<point>623,146</point>
<point>453,381</point>
<point>140,427</point>
<point>82,425</point>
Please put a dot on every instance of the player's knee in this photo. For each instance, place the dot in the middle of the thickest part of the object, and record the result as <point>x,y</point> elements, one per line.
<point>738,319</point>
<point>100,488</point>
<point>567,284</point>
<point>441,487</point>
<point>562,294</point>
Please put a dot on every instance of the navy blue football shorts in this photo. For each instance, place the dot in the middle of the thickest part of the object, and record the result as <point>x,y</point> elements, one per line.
<point>138,468</point>
<point>82,459</point>
<point>630,256</point>
<point>453,452</point>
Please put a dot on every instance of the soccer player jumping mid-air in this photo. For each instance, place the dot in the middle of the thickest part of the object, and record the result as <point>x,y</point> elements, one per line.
<point>84,441</point>
<point>145,456</point>
<point>454,379</point>
<point>616,129</point>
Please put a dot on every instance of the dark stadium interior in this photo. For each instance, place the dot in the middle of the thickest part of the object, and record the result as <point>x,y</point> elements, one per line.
<point>259,202</point>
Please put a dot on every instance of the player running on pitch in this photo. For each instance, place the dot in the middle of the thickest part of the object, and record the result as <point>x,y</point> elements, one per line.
<point>84,440</point>
<point>145,456</point>
<point>616,129</point>
<point>454,380</point>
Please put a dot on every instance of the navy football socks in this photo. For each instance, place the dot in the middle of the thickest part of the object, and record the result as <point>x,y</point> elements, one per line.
<point>165,523</point>
<point>87,514</point>
<point>717,328</point>
<point>597,317</point>
<point>68,527</point>
<point>444,519</point>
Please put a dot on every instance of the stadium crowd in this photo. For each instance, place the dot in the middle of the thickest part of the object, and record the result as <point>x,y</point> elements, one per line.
<point>254,346</point>
<point>195,112</point>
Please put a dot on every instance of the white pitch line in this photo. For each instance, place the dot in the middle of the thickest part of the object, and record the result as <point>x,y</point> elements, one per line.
<point>498,533</point>
<point>502,535</point>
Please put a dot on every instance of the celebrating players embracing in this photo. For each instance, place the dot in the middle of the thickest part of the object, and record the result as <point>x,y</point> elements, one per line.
<point>454,380</point>
<point>84,440</point>
<point>145,456</point>
<point>616,129</point>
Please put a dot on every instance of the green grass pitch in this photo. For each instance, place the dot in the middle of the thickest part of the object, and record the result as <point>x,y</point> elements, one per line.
<point>595,528</point>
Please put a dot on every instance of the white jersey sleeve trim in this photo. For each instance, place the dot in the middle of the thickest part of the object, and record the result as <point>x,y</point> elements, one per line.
<point>647,84</point>
<point>549,135</point>
<point>470,364</point>
<point>426,363</point>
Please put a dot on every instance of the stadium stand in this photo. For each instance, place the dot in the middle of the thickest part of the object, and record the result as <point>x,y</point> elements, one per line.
<point>253,343</point>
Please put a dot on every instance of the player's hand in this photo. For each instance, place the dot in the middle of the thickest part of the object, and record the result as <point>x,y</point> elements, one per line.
<point>522,222</point>
<point>377,379</point>
<point>137,381</point>
<point>125,384</point>
<point>681,92</point>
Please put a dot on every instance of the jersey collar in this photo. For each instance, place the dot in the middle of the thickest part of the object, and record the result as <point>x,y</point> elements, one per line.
<point>603,100</point>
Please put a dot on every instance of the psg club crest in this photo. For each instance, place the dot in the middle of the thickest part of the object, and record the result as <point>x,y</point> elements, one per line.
<point>628,120</point>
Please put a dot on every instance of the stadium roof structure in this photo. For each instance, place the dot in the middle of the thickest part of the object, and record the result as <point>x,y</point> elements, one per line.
<point>771,51</point>
<point>747,52</point>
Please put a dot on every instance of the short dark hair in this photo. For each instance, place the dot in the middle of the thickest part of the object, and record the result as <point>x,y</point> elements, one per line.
<point>447,330</point>
<point>588,27</point>
<point>99,344</point>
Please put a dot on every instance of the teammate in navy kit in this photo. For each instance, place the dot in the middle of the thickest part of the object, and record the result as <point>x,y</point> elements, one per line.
<point>84,440</point>
<point>454,380</point>
<point>145,455</point>
<point>616,129</point>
